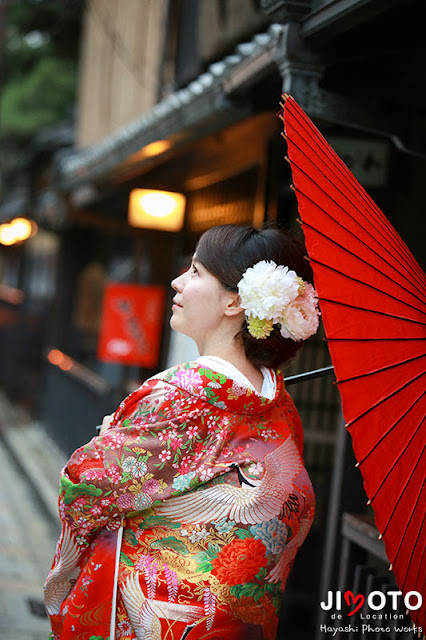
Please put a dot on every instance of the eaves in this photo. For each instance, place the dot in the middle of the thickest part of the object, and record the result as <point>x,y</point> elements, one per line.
<point>206,105</point>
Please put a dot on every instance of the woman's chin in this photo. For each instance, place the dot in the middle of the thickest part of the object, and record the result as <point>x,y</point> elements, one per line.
<point>179,327</point>
<point>175,324</point>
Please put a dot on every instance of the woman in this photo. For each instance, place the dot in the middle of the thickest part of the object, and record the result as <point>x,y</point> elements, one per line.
<point>198,479</point>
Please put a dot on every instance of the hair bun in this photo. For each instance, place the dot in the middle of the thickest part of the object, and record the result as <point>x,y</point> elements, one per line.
<point>228,251</point>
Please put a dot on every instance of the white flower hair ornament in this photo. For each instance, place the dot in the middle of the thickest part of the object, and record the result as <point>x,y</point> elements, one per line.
<point>272,294</point>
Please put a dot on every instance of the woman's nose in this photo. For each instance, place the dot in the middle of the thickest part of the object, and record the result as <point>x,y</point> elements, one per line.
<point>177,284</point>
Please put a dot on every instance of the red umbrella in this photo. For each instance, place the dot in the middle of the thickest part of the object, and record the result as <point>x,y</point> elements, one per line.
<point>372,296</point>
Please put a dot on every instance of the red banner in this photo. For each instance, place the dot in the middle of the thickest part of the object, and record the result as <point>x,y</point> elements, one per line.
<point>131,324</point>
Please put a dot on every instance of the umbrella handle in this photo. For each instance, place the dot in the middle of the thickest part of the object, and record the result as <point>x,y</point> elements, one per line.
<point>309,375</point>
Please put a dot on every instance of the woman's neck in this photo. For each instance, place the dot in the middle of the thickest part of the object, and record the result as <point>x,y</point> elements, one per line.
<point>235,355</point>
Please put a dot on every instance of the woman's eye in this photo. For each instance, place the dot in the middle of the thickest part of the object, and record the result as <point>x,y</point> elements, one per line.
<point>194,269</point>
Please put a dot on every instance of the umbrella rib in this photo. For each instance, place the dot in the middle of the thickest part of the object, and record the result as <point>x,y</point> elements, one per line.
<point>417,537</point>
<point>419,563</point>
<point>411,556</point>
<point>385,368</point>
<point>379,402</point>
<point>392,248</point>
<point>403,489</point>
<point>376,444</point>
<point>398,247</point>
<point>419,566</point>
<point>349,179</point>
<point>414,284</point>
<point>381,339</point>
<point>329,153</point>
<point>376,311</point>
<point>391,245</point>
<point>418,502</point>
<point>351,233</point>
<point>362,282</point>
<point>422,620</point>
<point>422,589</point>
<point>402,452</point>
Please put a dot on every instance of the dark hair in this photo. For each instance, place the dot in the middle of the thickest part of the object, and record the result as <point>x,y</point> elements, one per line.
<point>227,251</point>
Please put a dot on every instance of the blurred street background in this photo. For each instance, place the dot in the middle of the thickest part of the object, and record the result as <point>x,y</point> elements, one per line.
<point>29,525</point>
<point>127,129</point>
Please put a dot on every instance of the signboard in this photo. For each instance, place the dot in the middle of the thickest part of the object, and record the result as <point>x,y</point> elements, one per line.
<point>131,324</point>
<point>368,159</point>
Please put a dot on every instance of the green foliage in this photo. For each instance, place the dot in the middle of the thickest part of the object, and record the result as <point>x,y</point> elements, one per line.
<point>247,590</point>
<point>204,558</point>
<point>59,23</point>
<point>130,537</point>
<point>213,375</point>
<point>158,521</point>
<point>20,56</point>
<point>38,98</point>
<point>252,590</point>
<point>170,543</point>
<point>74,491</point>
<point>204,563</point>
<point>39,59</point>
<point>126,560</point>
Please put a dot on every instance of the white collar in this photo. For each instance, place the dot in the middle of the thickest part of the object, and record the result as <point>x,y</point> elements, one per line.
<point>269,386</point>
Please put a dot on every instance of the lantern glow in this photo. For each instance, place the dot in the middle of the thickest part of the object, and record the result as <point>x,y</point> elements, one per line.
<point>18,230</point>
<point>152,209</point>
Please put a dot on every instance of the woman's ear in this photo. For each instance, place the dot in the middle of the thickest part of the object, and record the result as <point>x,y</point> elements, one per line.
<point>233,307</point>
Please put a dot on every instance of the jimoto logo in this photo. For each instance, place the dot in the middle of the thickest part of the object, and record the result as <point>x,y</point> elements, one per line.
<point>376,600</point>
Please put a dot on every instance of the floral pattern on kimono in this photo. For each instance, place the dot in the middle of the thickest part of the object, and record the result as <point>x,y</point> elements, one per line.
<point>207,478</point>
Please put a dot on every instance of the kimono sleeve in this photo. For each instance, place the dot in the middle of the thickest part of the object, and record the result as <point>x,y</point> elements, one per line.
<point>136,463</point>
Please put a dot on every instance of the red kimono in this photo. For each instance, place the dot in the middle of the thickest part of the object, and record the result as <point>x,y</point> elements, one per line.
<point>205,481</point>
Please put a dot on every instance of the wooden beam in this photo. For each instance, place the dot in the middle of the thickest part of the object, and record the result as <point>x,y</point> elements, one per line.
<point>336,17</point>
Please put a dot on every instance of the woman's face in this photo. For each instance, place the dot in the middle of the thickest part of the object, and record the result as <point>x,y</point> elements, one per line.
<point>200,303</point>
